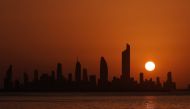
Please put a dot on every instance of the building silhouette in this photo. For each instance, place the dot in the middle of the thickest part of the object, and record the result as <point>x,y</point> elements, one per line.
<point>103,81</point>
<point>141,78</point>
<point>169,84</point>
<point>8,81</point>
<point>78,71</point>
<point>126,63</point>
<point>59,72</point>
<point>158,83</point>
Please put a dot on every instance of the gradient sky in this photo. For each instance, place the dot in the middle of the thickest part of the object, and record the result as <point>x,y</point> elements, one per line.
<point>40,33</point>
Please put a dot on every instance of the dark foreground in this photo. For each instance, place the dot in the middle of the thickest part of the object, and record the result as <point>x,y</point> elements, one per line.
<point>93,100</point>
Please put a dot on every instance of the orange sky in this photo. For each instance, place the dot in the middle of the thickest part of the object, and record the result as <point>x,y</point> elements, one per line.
<point>40,33</point>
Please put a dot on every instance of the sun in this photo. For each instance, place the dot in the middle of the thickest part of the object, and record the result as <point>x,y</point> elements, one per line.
<point>150,66</point>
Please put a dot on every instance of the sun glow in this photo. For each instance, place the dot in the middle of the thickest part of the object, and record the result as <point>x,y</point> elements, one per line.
<point>150,66</point>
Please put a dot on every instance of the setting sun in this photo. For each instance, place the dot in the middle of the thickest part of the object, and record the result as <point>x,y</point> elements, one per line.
<point>149,66</point>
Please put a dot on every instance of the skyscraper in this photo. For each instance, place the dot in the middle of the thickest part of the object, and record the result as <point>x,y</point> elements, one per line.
<point>141,78</point>
<point>8,81</point>
<point>103,72</point>
<point>169,84</point>
<point>126,63</point>
<point>59,72</point>
<point>158,84</point>
<point>169,77</point>
<point>78,71</point>
<point>158,81</point>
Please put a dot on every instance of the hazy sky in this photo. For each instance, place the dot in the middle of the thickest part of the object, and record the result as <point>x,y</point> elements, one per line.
<point>40,33</point>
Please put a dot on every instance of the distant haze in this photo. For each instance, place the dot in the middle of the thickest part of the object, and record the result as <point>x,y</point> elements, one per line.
<point>36,34</point>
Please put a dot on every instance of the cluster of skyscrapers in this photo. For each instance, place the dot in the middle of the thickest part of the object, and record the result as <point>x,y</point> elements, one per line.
<point>56,81</point>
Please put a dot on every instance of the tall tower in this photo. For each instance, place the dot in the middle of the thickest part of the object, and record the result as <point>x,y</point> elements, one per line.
<point>169,84</point>
<point>103,71</point>
<point>169,77</point>
<point>126,63</point>
<point>141,78</point>
<point>78,71</point>
<point>8,81</point>
<point>59,72</point>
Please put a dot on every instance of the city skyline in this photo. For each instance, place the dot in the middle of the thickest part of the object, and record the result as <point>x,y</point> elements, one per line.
<point>80,72</point>
<point>83,81</point>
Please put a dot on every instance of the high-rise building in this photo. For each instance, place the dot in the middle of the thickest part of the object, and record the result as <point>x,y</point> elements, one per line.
<point>103,72</point>
<point>126,63</point>
<point>59,72</point>
<point>169,84</point>
<point>8,81</point>
<point>141,78</point>
<point>78,71</point>
<point>158,81</point>
<point>169,77</point>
